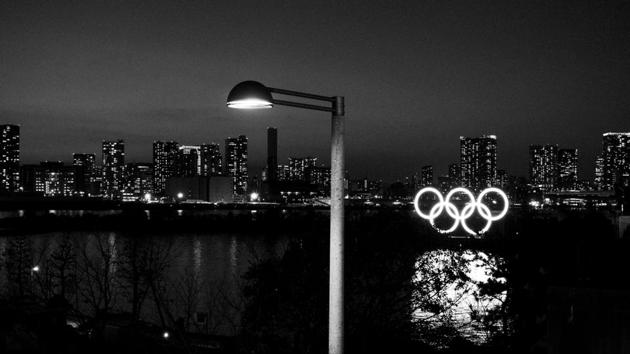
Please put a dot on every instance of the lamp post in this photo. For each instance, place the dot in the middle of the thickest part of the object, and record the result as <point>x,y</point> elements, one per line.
<point>254,95</point>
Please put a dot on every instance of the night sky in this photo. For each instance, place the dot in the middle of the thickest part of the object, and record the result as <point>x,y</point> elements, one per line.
<point>416,75</point>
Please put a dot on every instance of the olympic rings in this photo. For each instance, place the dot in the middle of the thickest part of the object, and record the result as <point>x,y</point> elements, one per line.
<point>473,204</point>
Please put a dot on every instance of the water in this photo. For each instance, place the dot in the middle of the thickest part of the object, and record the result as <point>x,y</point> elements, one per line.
<point>202,276</point>
<point>197,278</point>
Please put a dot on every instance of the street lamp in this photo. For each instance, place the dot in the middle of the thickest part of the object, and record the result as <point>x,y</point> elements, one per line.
<point>254,95</point>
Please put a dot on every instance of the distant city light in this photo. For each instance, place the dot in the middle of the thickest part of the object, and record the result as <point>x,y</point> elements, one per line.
<point>165,335</point>
<point>553,172</point>
<point>534,203</point>
<point>35,268</point>
<point>254,197</point>
<point>460,217</point>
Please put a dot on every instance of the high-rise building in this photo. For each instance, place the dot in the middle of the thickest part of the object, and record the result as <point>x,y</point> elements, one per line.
<point>567,169</point>
<point>165,155</point>
<point>298,167</point>
<point>272,154</point>
<point>84,164</point>
<point>478,161</point>
<point>284,173</point>
<point>113,168</point>
<point>502,178</point>
<point>189,161</point>
<point>97,185</point>
<point>9,158</point>
<point>543,166</point>
<point>211,160</point>
<point>599,172</point>
<point>51,178</point>
<point>616,160</point>
<point>319,178</point>
<point>427,176</point>
<point>236,162</point>
<point>138,182</point>
<point>414,182</point>
<point>454,174</point>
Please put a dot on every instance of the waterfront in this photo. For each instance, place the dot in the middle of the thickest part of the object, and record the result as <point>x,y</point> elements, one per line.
<point>261,275</point>
<point>202,271</point>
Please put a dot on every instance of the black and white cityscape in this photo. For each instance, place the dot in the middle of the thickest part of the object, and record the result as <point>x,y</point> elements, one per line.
<point>341,177</point>
<point>212,173</point>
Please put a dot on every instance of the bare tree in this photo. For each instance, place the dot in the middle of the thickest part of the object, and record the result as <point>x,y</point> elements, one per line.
<point>97,266</point>
<point>188,290</point>
<point>19,264</point>
<point>40,274</point>
<point>62,263</point>
<point>448,301</point>
<point>144,264</point>
<point>133,270</point>
<point>225,306</point>
<point>159,258</point>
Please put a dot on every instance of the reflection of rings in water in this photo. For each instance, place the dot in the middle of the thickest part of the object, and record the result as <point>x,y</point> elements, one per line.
<point>474,204</point>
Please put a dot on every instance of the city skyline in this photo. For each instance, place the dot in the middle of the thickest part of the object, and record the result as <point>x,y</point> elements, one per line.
<point>586,168</point>
<point>83,72</point>
<point>550,168</point>
<point>443,168</point>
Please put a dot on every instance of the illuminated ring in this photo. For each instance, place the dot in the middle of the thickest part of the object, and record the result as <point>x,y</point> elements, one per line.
<point>470,196</point>
<point>434,215</point>
<point>489,214</point>
<point>416,202</point>
<point>468,210</point>
<point>488,221</point>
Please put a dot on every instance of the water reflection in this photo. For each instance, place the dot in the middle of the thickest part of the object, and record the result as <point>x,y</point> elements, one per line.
<point>197,277</point>
<point>112,251</point>
<point>233,256</point>
<point>197,255</point>
<point>460,291</point>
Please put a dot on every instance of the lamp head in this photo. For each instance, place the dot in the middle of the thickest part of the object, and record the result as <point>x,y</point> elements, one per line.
<point>250,95</point>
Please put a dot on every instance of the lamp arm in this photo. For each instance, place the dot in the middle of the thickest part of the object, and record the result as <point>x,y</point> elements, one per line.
<point>302,105</point>
<point>301,94</point>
